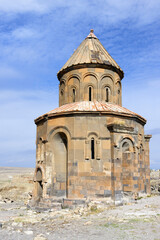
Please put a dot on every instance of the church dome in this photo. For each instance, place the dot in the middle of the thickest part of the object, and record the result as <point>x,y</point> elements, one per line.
<point>91,107</point>
<point>90,147</point>
<point>90,53</point>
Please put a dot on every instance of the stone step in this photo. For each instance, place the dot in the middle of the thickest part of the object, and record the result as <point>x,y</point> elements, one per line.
<point>51,205</point>
<point>57,200</point>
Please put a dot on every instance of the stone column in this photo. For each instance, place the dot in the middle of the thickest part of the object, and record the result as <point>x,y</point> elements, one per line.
<point>116,178</point>
<point>147,163</point>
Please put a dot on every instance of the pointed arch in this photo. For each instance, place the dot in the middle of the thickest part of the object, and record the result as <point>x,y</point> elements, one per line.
<point>127,152</point>
<point>107,84</point>
<point>60,164</point>
<point>63,129</point>
<point>73,85</point>
<point>38,166</point>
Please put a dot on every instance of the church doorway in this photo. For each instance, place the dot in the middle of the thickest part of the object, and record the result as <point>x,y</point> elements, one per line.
<point>60,147</point>
<point>39,183</point>
<point>127,166</point>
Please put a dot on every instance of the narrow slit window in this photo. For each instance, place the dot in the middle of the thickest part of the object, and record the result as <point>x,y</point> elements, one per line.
<point>90,93</point>
<point>62,97</point>
<point>118,96</point>
<point>107,95</point>
<point>74,95</point>
<point>92,149</point>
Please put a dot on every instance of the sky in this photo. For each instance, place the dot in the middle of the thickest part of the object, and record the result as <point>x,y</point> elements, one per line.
<point>37,38</point>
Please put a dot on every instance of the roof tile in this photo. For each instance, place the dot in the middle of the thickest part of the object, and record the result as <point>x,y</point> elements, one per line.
<point>89,106</point>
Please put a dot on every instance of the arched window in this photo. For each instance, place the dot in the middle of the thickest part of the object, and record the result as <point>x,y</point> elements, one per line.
<point>92,148</point>
<point>125,147</point>
<point>74,94</point>
<point>90,93</point>
<point>118,96</point>
<point>118,86</point>
<point>62,97</point>
<point>107,95</point>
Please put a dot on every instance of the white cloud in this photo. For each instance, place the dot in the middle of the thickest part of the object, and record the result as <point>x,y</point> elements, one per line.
<point>26,103</point>
<point>20,6</point>
<point>154,83</point>
<point>32,41</point>
<point>143,100</point>
<point>23,33</point>
<point>142,11</point>
<point>7,72</point>
<point>18,111</point>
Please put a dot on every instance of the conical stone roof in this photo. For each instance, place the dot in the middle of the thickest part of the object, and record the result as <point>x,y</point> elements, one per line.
<point>90,52</point>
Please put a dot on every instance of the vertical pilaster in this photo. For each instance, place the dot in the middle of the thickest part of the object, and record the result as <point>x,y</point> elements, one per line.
<point>98,155</point>
<point>147,163</point>
<point>116,178</point>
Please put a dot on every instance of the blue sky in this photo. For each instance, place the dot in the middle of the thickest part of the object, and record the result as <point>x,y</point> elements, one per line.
<point>37,38</point>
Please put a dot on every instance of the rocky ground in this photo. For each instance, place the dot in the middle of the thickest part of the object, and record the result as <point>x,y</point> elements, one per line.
<point>139,220</point>
<point>15,183</point>
<point>155,181</point>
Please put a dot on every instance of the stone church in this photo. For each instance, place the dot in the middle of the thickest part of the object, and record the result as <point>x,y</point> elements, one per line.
<point>91,146</point>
